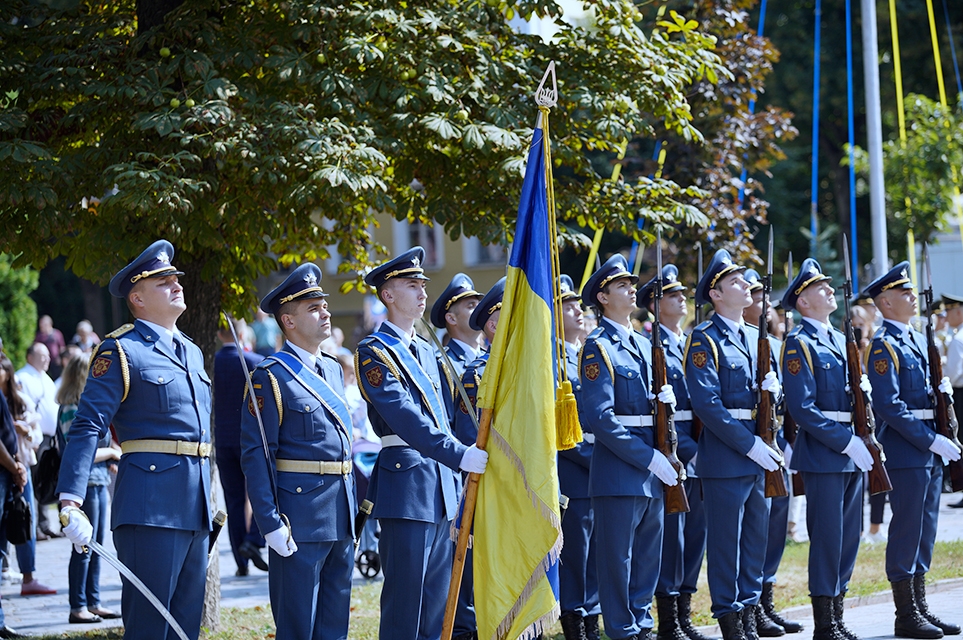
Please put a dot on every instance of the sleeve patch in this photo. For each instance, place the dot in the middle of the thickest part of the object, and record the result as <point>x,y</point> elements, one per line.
<point>794,365</point>
<point>260,405</point>
<point>374,376</point>
<point>592,371</point>
<point>881,366</point>
<point>699,359</point>
<point>100,366</point>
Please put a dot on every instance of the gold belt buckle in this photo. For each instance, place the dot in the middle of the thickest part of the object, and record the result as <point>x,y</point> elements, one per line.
<point>345,467</point>
<point>204,449</point>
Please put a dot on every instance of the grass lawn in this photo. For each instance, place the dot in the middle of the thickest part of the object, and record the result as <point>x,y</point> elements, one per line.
<point>791,590</point>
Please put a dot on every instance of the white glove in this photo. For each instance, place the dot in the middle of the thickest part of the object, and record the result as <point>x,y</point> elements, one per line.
<point>663,469</point>
<point>771,384</point>
<point>281,541</point>
<point>865,385</point>
<point>946,387</point>
<point>764,455</point>
<point>475,460</point>
<point>667,395</point>
<point>75,525</point>
<point>945,448</point>
<point>856,449</point>
<point>787,454</point>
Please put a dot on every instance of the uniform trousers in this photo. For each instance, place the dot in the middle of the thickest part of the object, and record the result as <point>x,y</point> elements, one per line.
<point>465,609</point>
<point>915,500</point>
<point>577,575</point>
<point>776,538</point>
<point>737,514</point>
<point>833,516</point>
<point>683,545</point>
<point>311,591</point>
<point>172,563</point>
<point>416,559</point>
<point>629,538</point>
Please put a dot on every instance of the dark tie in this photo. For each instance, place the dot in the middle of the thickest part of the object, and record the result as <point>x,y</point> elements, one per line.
<point>180,352</point>
<point>414,351</point>
<point>743,339</point>
<point>318,369</point>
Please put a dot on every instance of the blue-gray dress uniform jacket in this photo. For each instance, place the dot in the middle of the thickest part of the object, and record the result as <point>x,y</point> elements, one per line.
<point>414,488</point>
<point>310,590</point>
<point>626,496</point>
<point>898,368</point>
<point>814,380</point>
<point>719,371</point>
<point>138,385</point>
<point>577,574</point>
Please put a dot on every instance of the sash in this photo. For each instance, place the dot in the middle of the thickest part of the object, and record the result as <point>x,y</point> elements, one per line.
<point>318,387</point>
<point>416,375</point>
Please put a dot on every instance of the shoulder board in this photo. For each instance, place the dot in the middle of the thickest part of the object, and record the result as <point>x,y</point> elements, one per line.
<point>328,355</point>
<point>121,330</point>
<point>705,324</point>
<point>189,339</point>
<point>794,331</point>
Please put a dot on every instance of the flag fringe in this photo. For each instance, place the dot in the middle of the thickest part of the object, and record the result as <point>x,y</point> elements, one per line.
<point>545,509</point>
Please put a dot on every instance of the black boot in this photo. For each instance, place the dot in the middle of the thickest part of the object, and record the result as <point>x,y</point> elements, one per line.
<point>731,626</point>
<point>919,594</point>
<point>749,622</point>
<point>824,619</point>
<point>669,628</point>
<point>572,626</point>
<point>843,630</point>
<point>592,631</point>
<point>765,627</point>
<point>790,626</point>
<point>468,635</point>
<point>909,622</point>
<point>684,604</point>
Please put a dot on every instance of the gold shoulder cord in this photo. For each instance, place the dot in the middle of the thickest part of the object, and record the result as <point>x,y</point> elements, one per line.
<point>384,357</point>
<point>277,395</point>
<point>892,352</point>
<point>448,377</point>
<point>357,372</point>
<point>124,369</point>
<point>608,363</point>
<point>809,358</point>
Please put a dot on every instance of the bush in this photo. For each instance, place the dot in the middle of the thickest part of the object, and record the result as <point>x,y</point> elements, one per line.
<point>18,312</point>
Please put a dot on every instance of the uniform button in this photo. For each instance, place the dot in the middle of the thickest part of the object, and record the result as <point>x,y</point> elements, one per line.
<point>153,467</point>
<point>160,378</point>
<point>203,432</point>
<point>397,465</point>
<point>307,408</point>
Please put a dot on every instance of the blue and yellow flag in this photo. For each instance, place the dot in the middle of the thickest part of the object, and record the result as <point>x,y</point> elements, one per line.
<point>517,535</point>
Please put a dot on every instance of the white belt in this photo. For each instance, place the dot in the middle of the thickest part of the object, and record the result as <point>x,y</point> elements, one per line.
<point>842,417</point>
<point>922,414</point>
<point>393,441</point>
<point>588,437</point>
<point>683,416</point>
<point>742,414</point>
<point>635,421</point>
<point>322,467</point>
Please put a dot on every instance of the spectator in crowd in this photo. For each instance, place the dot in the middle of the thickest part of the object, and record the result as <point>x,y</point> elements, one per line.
<point>53,339</point>
<point>267,334</point>
<point>24,422</point>
<point>83,572</point>
<point>12,474</point>
<point>66,356</point>
<point>85,338</point>
<point>39,392</point>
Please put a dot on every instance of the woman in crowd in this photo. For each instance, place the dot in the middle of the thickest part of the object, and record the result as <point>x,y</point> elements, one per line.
<point>84,570</point>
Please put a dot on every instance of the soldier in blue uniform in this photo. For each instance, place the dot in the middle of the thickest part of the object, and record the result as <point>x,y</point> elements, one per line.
<point>148,380</point>
<point>302,489</point>
<point>828,453</point>
<point>684,540</point>
<point>452,312</point>
<point>577,576</point>
<point>483,320</point>
<point>898,369</point>
<point>414,485</point>
<point>719,368</point>
<point>627,470</point>
<point>769,624</point>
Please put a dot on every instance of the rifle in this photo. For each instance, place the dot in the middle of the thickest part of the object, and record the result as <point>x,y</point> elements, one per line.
<point>766,425</point>
<point>864,423</point>
<point>789,426</point>
<point>945,414</point>
<point>666,438</point>
<point>696,428</point>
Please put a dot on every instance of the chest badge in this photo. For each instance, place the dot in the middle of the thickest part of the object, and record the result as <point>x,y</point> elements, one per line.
<point>881,366</point>
<point>793,366</point>
<point>374,376</point>
<point>592,371</point>
<point>699,359</point>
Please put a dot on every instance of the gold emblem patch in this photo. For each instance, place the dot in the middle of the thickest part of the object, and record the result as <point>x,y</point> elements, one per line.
<point>260,405</point>
<point>699,358</point>
<point>374,376</point>
<point>100,366</point>
<point>881,366</point>
<point>794,365</point>
<point>592,371</point>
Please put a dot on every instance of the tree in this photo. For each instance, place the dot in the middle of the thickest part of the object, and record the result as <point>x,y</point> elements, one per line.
<point>18,322</point>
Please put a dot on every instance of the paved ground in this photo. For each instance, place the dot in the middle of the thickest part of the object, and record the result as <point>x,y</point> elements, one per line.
<point>870,617</point>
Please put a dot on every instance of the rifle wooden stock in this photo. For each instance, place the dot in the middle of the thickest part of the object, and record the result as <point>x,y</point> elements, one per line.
<point>666,438</point>
<point>766,424</point>
<point>864,424</point>
<point>945,414</point>
<point>790,429</point>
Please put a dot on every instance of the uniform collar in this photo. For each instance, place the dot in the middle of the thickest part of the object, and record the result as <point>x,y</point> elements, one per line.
<point>470,352</point>
<point>902,329</point>
<point>571,350</point>
<point>405,338</point>
<point>164,335</point>
<point>619,329</point>
<point>303,355</point>
<point>733,326</point>
<point>821,328</point>
<point>670,335</point>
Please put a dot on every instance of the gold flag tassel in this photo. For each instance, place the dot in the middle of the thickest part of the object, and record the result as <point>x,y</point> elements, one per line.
<point>568,431</point>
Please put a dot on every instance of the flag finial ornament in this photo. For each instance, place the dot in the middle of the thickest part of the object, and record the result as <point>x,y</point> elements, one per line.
<point>547,96</point>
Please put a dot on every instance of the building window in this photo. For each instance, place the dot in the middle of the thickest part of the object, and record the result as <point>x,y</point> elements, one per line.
<point>483,255</point>
<point>432,239</point>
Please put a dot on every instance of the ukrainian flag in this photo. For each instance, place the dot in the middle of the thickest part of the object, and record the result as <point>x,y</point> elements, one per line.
<point>517,535</point>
